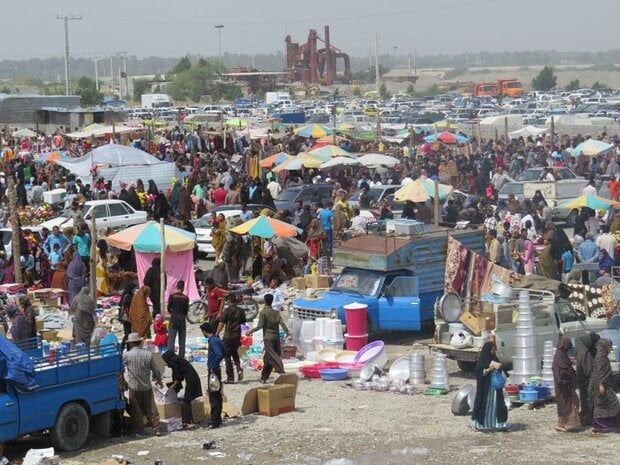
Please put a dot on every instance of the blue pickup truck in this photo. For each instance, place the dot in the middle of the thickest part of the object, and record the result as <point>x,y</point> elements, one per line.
<point>399,277</point>
<point>63,394</point>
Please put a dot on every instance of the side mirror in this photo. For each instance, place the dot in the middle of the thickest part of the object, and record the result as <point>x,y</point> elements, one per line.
<point>582,316</point>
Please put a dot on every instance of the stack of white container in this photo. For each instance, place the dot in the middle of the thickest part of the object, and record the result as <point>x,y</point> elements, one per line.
<point>417,373</point>
<point>322,333</point>
<point>525,362</point>
<point>547,361</point>
<point>439,376</point>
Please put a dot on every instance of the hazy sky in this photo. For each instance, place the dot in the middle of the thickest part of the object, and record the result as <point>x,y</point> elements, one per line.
<point>176,27</point>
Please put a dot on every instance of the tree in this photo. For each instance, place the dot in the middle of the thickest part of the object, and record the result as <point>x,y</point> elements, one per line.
<point>600,86</point>
<point>573,85</point>
<point>194,83</point>
<point>87,90</point>
<point>383,92</point>
<point>546,79</point>
<point>410,90</point>
<point>183,65</point>
<point>140,86</point>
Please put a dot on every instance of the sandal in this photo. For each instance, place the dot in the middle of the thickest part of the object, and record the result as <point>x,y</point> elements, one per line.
<point>560,429</point>
<point>240,375</point>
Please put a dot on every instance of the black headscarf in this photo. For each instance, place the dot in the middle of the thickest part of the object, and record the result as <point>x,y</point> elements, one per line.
<point>182,370</point>
<point>586,352</point>
<point>126,297</point>
<point>563,377</point>
<point>483,384</point>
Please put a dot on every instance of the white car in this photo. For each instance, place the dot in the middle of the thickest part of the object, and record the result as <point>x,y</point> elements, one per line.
<point>114,214</point>
<point>204,226</point>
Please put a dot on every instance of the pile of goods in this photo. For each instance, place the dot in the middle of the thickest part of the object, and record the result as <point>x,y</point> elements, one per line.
<point>35,215</point>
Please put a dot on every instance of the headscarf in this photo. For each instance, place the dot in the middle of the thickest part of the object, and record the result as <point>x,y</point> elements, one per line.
<point>139,314</point>
<point>586,352</point>
<point>601,374</point>
<point>315,229</point>
<point>486,358</point>
<point>83,302</point>
<point>75,270</point>
<point>607,261</point>
<point>561,362</point>
<point>171,358</point>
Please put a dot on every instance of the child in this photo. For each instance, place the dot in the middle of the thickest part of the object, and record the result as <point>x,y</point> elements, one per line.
<point>214,384</point>
<point>567,263</point>
<point>161,333</point>
<point>55,256</point>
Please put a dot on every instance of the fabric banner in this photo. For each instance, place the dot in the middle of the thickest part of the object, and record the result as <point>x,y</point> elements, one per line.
<point>178,265</point>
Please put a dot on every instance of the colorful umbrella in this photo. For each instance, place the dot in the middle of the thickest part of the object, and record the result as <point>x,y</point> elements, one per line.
<point>266,227</point>
<point>592,148</point>
<point>447,138</point>
<point>236,123</point>
<point>25,132</point>
<point>315,131</point>
<point>303,160</point>
<point>591,201</point>
<point>446,125</point>
<point>276,159</point>
<point>146,237</point>
<point>376,159</point>
<point>340,161</point>
<point>52,157</point>
<point>329,151</point>
<point>421,190</point>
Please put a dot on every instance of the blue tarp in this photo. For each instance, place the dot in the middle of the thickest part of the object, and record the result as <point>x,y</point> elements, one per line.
<point>15,365</point>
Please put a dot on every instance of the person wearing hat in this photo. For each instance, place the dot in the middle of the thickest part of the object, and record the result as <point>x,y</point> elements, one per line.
<point>139,365</point>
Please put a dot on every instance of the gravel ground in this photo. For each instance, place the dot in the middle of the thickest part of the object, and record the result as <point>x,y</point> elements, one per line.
<point>334,424</point>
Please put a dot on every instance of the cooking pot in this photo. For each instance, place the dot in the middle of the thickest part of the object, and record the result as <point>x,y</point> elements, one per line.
<point>502,290</point>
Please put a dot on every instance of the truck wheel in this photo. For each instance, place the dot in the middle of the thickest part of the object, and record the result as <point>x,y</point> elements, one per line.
<point>71,428</point>
<point>466,367</point>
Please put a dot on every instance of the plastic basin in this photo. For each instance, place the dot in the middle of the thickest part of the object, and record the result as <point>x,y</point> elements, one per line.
<point>374,353</point>
<point>334,374</point>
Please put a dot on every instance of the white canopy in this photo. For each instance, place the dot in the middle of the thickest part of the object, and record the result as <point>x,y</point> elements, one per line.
<point>376,159</point>
<point>340,161</point>
<point>526,132</point>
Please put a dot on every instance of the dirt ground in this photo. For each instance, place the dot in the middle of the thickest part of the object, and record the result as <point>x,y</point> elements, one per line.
<point>334,424</point>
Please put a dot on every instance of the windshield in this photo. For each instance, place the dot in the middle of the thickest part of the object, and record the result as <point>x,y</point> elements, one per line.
<point>288,195</point>
<point>529,175</point>
<point>358,281</point>
<point>203,222</point>
<point>373,193</point>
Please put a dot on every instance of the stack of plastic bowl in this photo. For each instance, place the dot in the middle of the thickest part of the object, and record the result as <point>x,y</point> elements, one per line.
<point>439,375</point>
<point>333,335</point>
<point>319,333</point>
<point>417,373</point>
<point>355,315</point>
<point>547,372</point>
<point>306,336</point>
<point>525,362</point>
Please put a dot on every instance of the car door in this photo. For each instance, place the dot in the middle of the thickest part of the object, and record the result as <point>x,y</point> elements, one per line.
<point>572,323</point>
<point>9,415</point>
<point>119,215</point>
<point>399,304</point>
<point>101,216</point>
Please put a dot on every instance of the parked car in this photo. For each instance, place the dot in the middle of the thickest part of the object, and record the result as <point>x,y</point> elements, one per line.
<point>114,214</point>
<point>306,193</point>
<point>204,224</point>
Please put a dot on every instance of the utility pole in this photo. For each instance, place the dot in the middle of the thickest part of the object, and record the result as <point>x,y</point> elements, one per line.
<point>96,60</point>
<point>377,62</point>
<point>123,73</point>
<point>111,74</point>
<point>66,19</point>
<point>219,28</point>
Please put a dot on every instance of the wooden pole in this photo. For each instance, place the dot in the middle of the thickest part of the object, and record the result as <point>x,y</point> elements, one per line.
<point>552,128</point>
<point>93,258</point>
<point>15,227</point>
<point>436,203</point>
<point>506,128</point>
<point>479,135</point>
<point>162,274</point>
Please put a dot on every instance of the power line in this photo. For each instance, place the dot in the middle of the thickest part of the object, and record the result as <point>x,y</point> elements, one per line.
<point>66,19</point>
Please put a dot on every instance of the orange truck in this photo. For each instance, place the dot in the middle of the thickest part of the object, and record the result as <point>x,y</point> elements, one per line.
<point>504,87</point>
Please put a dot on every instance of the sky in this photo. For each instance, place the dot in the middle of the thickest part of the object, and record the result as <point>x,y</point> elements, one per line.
<point>174,28</point>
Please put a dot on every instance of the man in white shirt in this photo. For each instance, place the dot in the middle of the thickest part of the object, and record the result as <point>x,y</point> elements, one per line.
<point>277,293</point>
<point>274,188</point>
<point>589,189</point>
<point>607,241</point>
<point>500,178</point>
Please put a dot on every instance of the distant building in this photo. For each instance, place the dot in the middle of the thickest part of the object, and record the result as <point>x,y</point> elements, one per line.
<point>254,80</point>
<point>76,118</point>
<point>400,75</point>
<point>21,109</point>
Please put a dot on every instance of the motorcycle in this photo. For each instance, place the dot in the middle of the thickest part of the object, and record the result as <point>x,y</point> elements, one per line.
<point>241,291</point>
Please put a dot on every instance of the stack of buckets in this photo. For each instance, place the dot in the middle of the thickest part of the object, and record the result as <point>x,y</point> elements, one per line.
<point>439,377</point>
<point>525,361</point>
<point>357,331</point>
<point>547,372</point>
<point>322,333</point>
<point>417,372</point>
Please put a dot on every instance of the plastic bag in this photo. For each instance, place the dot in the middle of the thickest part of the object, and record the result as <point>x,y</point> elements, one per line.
<point>497,380</point>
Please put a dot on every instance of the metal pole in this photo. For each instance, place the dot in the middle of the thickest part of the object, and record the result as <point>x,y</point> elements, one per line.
<point>111,74</point>
<point>552,128</point>
<point>162,274</point>
<point>219,28</point>
<point>377,63</point>
<point>506,127</point>
<point>96,74</point>
<point>93,258</point>
<point>67,64</point>
<point>436,203</point>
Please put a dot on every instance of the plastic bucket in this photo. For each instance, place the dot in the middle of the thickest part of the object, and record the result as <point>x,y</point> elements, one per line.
<point>289,352</point>
<point>355,342</point>
<point>355,316</point>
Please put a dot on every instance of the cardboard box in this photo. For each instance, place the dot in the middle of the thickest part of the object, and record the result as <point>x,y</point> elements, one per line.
<point>317,281</point>
<point>228,410</point>
<point>298,283</point>
<point>473,323</point>
<point>489,321</point>
<point>166,411</point>
<point>40,324</point>
<point>198,410</point>
<point>251,399</point>
<point>276,400</point>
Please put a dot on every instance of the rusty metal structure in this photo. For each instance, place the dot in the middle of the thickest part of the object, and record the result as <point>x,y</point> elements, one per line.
<point>308,63</point>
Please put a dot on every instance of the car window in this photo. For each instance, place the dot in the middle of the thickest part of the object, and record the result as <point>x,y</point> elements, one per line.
<point>307,194</point>
<point>566,313</point>
<point>100,211</point>
<point>530,175</point>
<point>404,286</point>
<point>324,193</point>
<point>117,209</point>
<point>565,174</point>
<point>288,195</point>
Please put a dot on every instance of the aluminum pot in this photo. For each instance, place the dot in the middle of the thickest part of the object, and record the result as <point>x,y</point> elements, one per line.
<point>502,290</point>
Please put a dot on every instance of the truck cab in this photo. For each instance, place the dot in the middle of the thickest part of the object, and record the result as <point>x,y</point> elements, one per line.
<point>399,276</point>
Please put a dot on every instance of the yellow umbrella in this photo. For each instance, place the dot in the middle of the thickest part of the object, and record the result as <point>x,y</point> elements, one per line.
<point>266,227</point>
<point>446,125</point>
<point>421,190</point>
<point>303,160</point>
<point>591,201</point>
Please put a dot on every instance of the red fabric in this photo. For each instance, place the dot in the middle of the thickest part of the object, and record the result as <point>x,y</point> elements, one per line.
<point>614,187</point>
<point>214,300</point>
<point>219,196</point>
<point>161,334</point>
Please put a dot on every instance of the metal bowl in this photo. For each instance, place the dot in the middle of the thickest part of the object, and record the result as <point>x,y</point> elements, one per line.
<point>460,403</point>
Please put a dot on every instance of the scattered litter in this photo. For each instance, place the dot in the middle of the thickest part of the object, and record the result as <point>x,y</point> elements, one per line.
<point>158,462</point>
<point>3,460</point>
<point>411,451</point>
<point>217,454</point>
<point>38,456</point>
<point>142,453</point>
<point>339,462</point>
<point>245,456</point>
<point>210,445</point>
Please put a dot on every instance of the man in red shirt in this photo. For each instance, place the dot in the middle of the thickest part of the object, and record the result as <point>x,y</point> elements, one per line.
<point>219,195</point>
<point>614,187</point>
<point>215,300</point>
